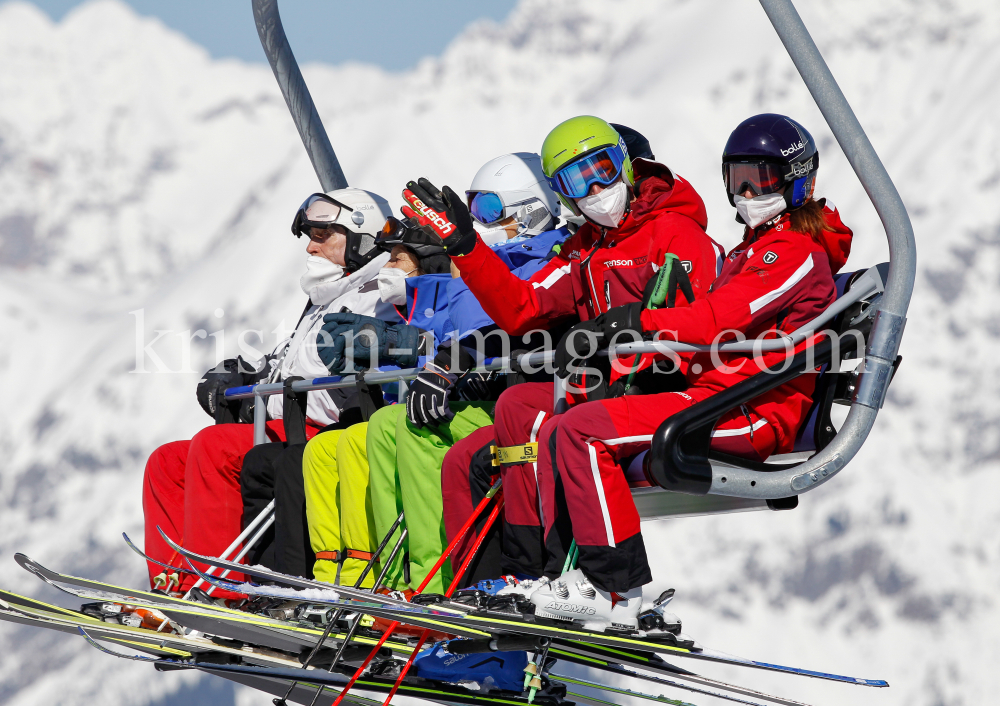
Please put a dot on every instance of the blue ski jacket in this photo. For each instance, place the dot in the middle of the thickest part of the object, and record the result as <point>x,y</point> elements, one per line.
<point>427,305</point>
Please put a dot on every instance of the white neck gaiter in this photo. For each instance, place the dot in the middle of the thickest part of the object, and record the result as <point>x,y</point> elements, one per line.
<point>319,270</point>
<point>759,209</point>
<point>607,207</point>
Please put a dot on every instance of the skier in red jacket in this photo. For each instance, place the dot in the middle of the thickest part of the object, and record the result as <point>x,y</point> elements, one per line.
<point>637,211</point>
<point>779,278</point>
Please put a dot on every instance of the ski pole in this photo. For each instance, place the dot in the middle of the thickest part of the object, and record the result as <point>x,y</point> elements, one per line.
<point>246,549</point>
<point>357,622</point>
<point>451,589</point>
<point>266,513</point>
<point>447,552</point>
<point>283,701</point>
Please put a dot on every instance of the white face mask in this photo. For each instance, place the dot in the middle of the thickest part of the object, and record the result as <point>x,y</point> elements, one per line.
<point>491,235</point>
<point>319,270</point>
<point>392,285</point>
<point>607,207</point>
<point>759,209</point>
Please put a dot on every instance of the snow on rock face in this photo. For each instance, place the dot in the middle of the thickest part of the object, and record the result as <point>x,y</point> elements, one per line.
<point>138,175</point>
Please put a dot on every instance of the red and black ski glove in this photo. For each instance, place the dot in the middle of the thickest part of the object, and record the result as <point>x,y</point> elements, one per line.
<point>442,213</point>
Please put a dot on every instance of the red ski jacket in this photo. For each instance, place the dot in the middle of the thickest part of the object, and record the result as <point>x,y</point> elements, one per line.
<point>591,274</point>
<point>775,281</point>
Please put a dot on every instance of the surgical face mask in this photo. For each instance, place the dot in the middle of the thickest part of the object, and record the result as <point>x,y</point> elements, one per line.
<point>491,235</point>
<point>319,270</point>
<point>607,207</point>
<point>392,285</point>
<point>759,209</point>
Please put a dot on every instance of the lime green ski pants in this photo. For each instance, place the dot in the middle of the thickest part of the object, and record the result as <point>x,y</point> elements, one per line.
<point>405,476</point>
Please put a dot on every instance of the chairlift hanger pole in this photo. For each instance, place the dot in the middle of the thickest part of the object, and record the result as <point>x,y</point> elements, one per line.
<point>297,97</point>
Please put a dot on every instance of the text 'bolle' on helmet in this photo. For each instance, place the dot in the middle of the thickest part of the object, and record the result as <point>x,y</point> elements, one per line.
<point>768,152</point>
<point>360,212</point>
<point>428,248</point>
<point>514,185</point>
<point>583,151</point>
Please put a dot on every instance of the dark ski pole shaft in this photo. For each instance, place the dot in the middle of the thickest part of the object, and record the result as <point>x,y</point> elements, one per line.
<point>440,562</point>
<point>451,589</point>
<point>331,624</point>
<point>357,620</point>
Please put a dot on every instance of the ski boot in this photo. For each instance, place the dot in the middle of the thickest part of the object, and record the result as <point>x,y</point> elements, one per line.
<point>476,672</point>
<point>129,615</point>
<point>572,597</point>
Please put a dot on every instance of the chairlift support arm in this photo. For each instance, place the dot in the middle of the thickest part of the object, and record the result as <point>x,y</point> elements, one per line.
<point>297,96</point>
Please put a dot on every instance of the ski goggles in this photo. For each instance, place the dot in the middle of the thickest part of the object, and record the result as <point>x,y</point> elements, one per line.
<point>759,177</point>
<point>393,233</point>
<point>603,167</point>
<point>485,206</point>
<point>317,211</point>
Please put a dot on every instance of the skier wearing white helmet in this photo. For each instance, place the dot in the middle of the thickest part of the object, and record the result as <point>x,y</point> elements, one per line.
<point>191,488</point>
<point>510,197</point>
<point>515,209</point>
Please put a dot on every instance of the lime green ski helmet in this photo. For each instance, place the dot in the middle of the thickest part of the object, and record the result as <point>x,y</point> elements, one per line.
<point>576,138</point>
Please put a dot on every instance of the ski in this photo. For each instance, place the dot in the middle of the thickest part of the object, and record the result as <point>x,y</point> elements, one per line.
<point>251,628</point>
<point>451,617</point>
<point>162,644</point>
<point>311,679</point>
<point>344,596</point>
<point>614,664</point>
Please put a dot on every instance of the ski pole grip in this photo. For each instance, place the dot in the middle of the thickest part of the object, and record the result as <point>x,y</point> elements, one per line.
<point>500,643</point>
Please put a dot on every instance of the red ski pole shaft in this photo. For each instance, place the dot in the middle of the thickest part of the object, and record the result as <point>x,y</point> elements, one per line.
<point>451,589</point>
<point>440,562</point>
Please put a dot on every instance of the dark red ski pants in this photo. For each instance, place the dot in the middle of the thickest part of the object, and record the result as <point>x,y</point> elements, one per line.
<point>580,484</point>
<point>192,490</point>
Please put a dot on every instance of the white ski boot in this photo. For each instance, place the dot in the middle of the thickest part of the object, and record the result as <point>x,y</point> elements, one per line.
<point>572,597</point>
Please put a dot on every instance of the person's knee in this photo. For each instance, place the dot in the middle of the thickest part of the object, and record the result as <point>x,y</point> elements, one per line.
<point>320,455</point>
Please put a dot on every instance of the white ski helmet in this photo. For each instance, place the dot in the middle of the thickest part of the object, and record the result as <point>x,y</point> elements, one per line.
<point>360,212</point>
<point>514,185</point>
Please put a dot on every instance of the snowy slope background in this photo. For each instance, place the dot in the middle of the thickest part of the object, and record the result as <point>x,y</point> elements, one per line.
<point>139,175</point>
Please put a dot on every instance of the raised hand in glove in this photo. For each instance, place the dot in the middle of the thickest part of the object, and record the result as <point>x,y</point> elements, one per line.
<point>442,213</point>
<point>388,344</point>
<point>427,401</point>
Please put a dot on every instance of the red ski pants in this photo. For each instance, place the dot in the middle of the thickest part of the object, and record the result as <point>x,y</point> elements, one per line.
<point>581,487</point>
<point>191,489</point>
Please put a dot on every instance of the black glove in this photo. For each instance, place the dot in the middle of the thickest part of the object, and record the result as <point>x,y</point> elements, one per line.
<point>232,372</point>
<point>392,344</point>
<point>480,387</point>
<point>427,401</point>
<point>581,342</point>
<point>620,319</point>
<point>442,213</point>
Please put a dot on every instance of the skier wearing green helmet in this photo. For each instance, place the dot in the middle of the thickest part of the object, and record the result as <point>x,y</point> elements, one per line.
<point>637,211</point>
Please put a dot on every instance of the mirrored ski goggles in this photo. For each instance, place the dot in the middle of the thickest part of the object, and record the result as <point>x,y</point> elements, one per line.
<point>600,167</point>
<point>759,177</point>
<point>317,211</point>
<point>485,206</point>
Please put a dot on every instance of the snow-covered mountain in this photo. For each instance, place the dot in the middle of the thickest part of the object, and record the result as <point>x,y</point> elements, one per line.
<point>143,182</point>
